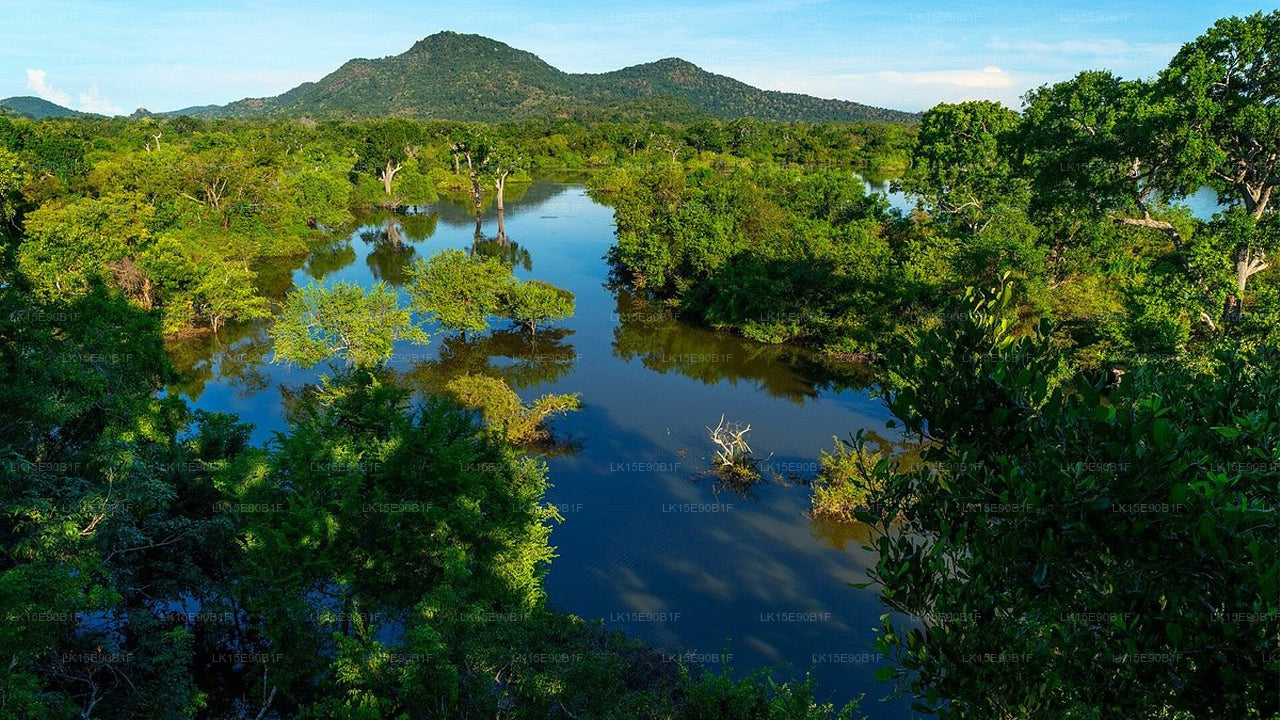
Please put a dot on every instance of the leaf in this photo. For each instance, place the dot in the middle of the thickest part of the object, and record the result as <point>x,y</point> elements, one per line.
<point>1228,432</point>
<point>885,673</point>
<point>1041,572</point>
<point>1162,432</point>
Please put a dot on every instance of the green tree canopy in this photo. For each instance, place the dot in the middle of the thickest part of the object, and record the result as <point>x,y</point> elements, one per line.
<point>344,321</point>
<point>532,303</point>
<point>962,163</point>
<point>459,290</point>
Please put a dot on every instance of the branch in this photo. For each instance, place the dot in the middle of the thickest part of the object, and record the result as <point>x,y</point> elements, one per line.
<point>1161,225</point>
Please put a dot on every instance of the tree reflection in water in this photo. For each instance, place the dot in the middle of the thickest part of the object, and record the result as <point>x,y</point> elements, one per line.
<point>650,332</point>
<point>509,355</point>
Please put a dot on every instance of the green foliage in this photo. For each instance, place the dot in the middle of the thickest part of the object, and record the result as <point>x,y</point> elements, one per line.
<point>1075,548</point>
<point>847,480</point>
<point>69,245</point>
<point>503,411</point>
<point>776,255</point>
<point>1225,115</point>
<point>961,166</point>
<point>460,291</point>
<point>12,178</point>
<point>318,323</point>
<point>532,303</point>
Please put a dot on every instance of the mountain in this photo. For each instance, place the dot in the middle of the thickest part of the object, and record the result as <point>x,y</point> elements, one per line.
<point>38,108</point>
<point>470,77</point>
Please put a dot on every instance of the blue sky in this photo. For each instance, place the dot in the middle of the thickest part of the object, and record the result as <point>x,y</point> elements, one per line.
<point>112,56</point>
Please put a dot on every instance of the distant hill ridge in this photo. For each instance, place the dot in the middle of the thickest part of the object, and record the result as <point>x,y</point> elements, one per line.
<point>38,108</point>
<point>457,76</point>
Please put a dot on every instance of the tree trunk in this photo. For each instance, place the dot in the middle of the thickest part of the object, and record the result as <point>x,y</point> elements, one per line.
<point>388,174</point>
<point>1161,225</point>
<point>475,185</point>
<point>500,182</point>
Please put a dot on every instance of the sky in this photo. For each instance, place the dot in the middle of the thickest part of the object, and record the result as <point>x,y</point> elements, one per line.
<point>112,56</point>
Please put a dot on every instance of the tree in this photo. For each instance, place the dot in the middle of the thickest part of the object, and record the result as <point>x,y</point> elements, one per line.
<point>1225,84</point>
<point>224,179</point>
<point>12,175</point>
<point>460,291</point>
<point>226,293</point>
<point>1090,144</point>
<point>386,148</point>
<point>318,323</point>
<point>503,411</point>
<point>470,144</point>
<point>961,164</point>
<point>533,302</point>
<point>500,165</point>
<point>1077,546</point>
<point>1109,146</point>
<point>69,245</point>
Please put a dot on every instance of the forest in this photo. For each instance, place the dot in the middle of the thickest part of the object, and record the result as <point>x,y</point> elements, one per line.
<point>1086,376</point>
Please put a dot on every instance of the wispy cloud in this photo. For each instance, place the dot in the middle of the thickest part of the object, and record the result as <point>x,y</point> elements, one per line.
<point>92,101</point>
<point>987,77</point>
<point>37,83</point>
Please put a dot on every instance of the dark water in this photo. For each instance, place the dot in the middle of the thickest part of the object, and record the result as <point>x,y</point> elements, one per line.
<point>651,543</point>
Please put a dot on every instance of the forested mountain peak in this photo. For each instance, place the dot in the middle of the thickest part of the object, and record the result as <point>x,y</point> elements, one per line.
<point>461,76</point>
<point>38,108</point>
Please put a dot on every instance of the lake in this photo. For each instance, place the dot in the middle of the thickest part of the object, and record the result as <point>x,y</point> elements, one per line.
<point>650,543</point>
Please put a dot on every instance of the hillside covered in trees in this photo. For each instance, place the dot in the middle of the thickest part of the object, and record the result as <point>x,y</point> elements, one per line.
<point>454,76</point>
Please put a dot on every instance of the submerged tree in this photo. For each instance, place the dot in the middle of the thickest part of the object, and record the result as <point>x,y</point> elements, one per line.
<point>500,165</point>
<point>532,303</point>
<point>460,291</point>
<point>504,412</point>
<point>344,321</point>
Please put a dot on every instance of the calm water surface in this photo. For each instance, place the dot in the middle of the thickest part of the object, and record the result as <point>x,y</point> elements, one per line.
<point>651,543</point>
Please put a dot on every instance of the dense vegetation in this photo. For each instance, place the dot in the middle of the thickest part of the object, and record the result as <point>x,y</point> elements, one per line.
<point>1076,196</point>
<point>380,558</point>
<point>1076,548</point>
<point>469,77</point>
<point>1084,527</point>
<point>179,213</point>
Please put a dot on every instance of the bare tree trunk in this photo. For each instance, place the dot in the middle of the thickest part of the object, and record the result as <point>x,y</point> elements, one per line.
<point>388,173</point>
<point>500,182</point>
<point>475,184</point>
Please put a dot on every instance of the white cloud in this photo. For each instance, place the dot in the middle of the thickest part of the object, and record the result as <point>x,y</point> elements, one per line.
<point>988,77</point>
<point>36,83</point>
<point>94,102</point>
<point>91,101</point>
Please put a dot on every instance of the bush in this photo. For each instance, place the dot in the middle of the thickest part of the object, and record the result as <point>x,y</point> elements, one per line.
<point>503,411</point>
<point>846,480</point>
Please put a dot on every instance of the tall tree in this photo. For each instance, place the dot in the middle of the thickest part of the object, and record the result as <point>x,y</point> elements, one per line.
<point>961,165</point>
<point>1227,84</point>
<point>500,164</point>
